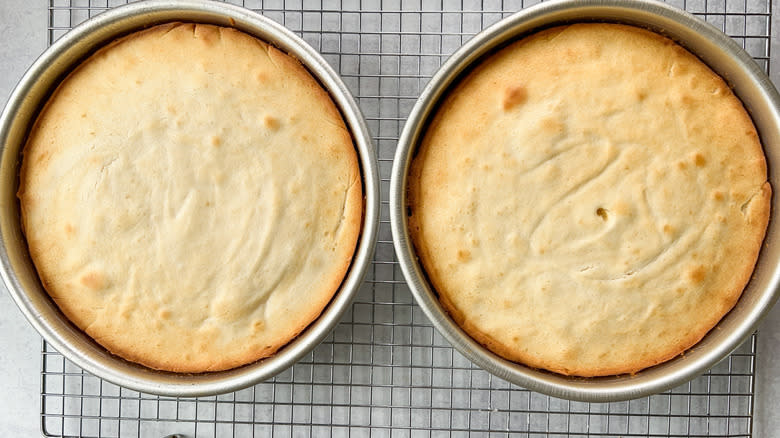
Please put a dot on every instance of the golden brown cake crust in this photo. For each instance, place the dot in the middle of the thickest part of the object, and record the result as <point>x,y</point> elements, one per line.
<point>191,198</point>
<point>590,200</point>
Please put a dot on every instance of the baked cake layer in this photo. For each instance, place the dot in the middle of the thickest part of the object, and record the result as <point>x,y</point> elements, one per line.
<point>191,197</point>
<point>590,200</point>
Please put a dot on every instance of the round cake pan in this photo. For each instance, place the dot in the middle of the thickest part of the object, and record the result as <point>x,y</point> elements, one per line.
<point>17,270</point>
<point>726,58</point>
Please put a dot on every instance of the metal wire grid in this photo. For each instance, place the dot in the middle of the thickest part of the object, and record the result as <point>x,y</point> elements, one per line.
<point>384,371</point>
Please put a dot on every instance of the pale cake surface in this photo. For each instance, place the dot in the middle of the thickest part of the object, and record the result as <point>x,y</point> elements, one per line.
<point>589,200</point>
<point>191,198</point>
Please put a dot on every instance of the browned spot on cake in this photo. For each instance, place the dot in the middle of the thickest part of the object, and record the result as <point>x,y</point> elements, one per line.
<point>717,195</point>
<point>698,160</point>
<point>208,35</point>
<point>69,230</point>
<point>572,55</point>
<point>42,157</point>
<point>679,68</point>
<point>216,141</point>
<point>271,122</point>
<point>682,164</point>
<point>602,213</point>
<point>641,94</point>
<point>697,274</point>
<point>93,280</point>
<point>165,314</point>
<point>130,62</point>
<point>687,100</point>
<point>514,96</point>
<point>258,325</point>
<point>569,353</point>
<point>464,255</point>
<point>551,125</point>
<point>621,208</point>
<point>668,229</point>
<point>171,109</point>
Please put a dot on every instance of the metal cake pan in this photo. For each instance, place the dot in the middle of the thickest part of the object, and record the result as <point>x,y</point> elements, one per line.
<point>16,268</point>
<point>726,58</point>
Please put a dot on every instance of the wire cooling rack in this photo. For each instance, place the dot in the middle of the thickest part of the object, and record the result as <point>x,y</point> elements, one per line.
<point>384,371</point>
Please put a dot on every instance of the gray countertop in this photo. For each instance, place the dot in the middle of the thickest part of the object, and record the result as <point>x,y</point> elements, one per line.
<point>23,26</point>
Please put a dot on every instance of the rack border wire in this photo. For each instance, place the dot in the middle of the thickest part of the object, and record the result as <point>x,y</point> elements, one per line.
<point>384,370</point>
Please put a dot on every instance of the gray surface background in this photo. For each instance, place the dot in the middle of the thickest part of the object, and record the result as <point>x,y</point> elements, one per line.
<point>23,27</point>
